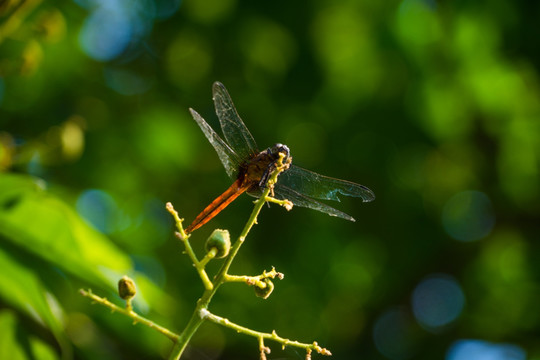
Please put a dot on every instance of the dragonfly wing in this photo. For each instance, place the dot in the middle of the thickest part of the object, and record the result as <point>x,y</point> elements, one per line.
<point>318,186</point>
<point>228,157</point>
<point>283,192</point>
<point>236,133</point>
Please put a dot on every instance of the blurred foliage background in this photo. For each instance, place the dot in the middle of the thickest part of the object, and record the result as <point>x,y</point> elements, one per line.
<point>434,105</point>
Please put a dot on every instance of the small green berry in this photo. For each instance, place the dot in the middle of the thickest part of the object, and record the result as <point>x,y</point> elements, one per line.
<point>221,240</point>
<point>126,288</point>
<point>266,291</point>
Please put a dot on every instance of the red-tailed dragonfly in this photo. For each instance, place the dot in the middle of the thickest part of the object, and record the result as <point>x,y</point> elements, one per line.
<point>251,168</point>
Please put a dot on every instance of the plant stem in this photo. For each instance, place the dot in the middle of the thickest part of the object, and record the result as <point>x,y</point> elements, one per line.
<point>260,335</point>
<point>201,312</point>
<point>182,236</point>
<point>186,335</point>
<point>196,320</point>
<point>254,280</point>
<point>130,313</point>
<point>202,305</point>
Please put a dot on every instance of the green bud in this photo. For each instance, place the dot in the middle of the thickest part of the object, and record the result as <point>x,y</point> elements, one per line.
<point>126,288</point>
<point>221,240</point>
<point>266,291</point>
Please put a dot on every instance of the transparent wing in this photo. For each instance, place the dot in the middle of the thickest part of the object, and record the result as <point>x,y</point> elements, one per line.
<point>236,133</point>
<point>283,192</point>
<point>318,186</point>
<point>230,160</point>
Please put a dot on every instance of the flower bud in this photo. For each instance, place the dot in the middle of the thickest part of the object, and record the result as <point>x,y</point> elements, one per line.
<point>221,240</point>
<point>126,288</point>
<point>266,291</point>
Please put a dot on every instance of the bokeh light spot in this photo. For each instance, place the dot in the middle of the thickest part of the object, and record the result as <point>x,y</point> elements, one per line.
<point>165,137</point>
<point>437,301</point>
<point>483,350</point>
<point>345,46</point>
<point>72,138</point>
<point>468,216</point>
<point>51,25</point>
<point>210,11</point>
<point>35,165</point>
<point>188,59</point>
<point>518,160</point>
<point>166,8</point>
<point>120,27</point>
<point>151,267</point>
<point>99,209</point>
<point>394,335</point>
<point>446,113</point>
<point>275,59</point>
<point>417,24</point>
<point>106,33</point>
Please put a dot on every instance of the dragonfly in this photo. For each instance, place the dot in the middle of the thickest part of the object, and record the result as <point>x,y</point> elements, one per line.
<point>251,168</point>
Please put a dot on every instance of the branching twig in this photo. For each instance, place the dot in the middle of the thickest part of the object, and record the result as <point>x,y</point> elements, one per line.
<point>222,274</point>
<point>288,205</point>
<point>254,280</point>
<point>182,236</point>
<point>130,313</point>
<point>262,283</point>
<point>207,315</point>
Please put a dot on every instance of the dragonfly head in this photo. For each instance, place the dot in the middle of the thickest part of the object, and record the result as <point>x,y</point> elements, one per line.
<point>280,148</point>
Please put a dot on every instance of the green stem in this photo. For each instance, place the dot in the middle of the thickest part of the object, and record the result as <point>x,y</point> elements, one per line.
<point>260,335</point>
<point>209,256</point>
<point>202,305</point>
<point>182,236</point>
<point>196,320</point>
<point>254,280</point>
<point>130,313</point>
<point>186,335</point>
<point>201,312</point>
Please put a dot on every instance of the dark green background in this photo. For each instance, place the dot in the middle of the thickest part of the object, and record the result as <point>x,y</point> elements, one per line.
<point>421,101</point>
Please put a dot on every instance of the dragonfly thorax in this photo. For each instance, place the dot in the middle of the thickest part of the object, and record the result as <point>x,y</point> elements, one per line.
<point>257,170</point>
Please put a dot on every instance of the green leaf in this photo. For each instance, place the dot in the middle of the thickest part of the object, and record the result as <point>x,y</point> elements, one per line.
<point>9,347</point>
<point>41,350</point>
<point>20,288</point>
<point>35,222</point>
<point>38,222</point>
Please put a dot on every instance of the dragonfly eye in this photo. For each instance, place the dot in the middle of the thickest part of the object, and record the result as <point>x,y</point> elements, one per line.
<point>280,148</point>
